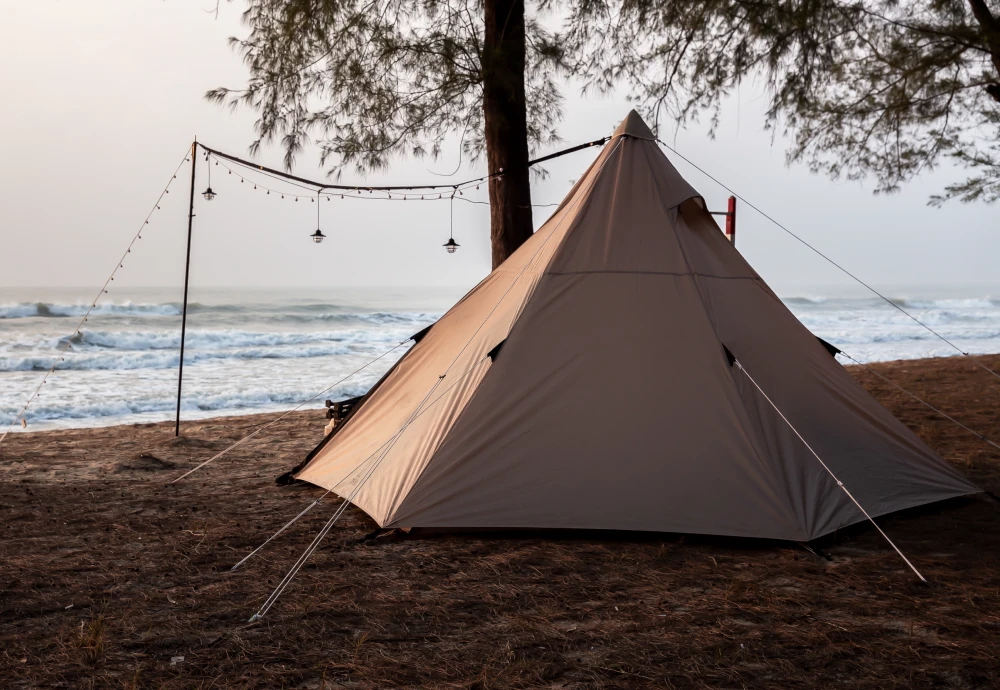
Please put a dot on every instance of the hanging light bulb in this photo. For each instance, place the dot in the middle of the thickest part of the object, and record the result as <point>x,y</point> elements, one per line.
<point>317,236</point>
<point>208,193</point>
<point>451,245</point>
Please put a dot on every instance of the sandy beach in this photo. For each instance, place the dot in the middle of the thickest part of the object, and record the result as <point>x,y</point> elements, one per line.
<point>111,577</point>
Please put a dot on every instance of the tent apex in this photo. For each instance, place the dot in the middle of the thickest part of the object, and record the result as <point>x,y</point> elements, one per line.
<point>634,126</point>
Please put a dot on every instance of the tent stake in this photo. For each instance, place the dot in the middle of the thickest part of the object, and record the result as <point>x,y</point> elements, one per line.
<point>187,275</point>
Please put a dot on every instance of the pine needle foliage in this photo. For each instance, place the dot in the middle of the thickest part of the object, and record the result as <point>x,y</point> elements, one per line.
<point>879,89</point>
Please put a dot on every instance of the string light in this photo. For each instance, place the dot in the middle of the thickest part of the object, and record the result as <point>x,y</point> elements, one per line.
<point>451,245</point>
<point>208,193</point>
<point>471,184</point>
<point>317,236</point>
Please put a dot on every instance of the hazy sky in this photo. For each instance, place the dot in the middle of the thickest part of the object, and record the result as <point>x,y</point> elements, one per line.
<point>102,98</point>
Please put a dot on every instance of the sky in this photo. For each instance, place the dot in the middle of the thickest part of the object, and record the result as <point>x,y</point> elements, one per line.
<point>101,100</point>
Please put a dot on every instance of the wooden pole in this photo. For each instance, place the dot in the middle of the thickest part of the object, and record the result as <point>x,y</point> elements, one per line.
<point>187,275</point>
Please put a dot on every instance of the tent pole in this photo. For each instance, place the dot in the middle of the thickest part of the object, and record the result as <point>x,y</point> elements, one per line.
<point>187,275</point>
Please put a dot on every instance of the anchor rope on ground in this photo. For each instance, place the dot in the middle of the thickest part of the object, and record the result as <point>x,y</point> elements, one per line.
<point>266,606</point>
<point>365,461</point>
<point>286,526</point>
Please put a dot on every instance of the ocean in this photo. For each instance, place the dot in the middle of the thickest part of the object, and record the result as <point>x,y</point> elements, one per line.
<point>251,351</point>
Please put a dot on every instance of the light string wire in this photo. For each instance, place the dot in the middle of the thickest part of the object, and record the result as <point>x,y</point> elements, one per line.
<point>829,471</point>
<point>417,411</point>
<point>288,412</point>
<point>120,264</point>
<point>390,188</point>
<point>346,193</point>
<point>888,301</point>
<point>921,401</point>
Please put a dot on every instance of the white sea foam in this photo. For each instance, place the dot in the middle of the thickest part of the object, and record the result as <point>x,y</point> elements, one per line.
<point>295,312</point>
<point>211,339</point>
<point>130,360</point>
<point>49,310</point>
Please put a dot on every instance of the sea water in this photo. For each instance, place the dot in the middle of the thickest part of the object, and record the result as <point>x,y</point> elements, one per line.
<point>251,351</point>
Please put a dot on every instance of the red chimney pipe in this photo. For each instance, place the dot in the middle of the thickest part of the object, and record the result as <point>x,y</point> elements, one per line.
<point>731,220</point>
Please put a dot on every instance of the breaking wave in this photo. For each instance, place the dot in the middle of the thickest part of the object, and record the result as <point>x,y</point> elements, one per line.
<point>268,312</point>
<point>25,310</point>
<point>212,339</point>
<point>137,359</point>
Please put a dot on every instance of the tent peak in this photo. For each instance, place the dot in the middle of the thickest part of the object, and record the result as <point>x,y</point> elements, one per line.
<point>633,126</point>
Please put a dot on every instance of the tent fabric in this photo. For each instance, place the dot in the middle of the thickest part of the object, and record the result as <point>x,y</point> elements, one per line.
<point>629,290</point>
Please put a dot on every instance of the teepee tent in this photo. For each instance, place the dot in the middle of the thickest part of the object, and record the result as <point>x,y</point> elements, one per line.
<point>589,382</point>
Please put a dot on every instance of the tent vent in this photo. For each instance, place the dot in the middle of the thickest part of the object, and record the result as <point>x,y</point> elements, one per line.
<point>829,348</point>
<point>417,337</point>
<point>729,355</point>
<point>492,354</point>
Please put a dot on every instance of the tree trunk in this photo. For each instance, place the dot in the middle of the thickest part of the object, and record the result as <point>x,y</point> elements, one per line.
<point>506,119</point>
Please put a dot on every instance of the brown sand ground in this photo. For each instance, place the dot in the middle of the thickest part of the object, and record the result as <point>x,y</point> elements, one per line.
<point>107,574</point>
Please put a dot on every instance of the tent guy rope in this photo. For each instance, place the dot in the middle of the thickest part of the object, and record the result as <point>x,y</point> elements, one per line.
<point>740,366</point>
<point>286,526</point>
<point>265,607</point>
<point>868,287</point>
<point>922,401</point>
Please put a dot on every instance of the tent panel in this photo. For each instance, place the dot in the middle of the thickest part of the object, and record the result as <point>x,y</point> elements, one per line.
<point>611,406</point>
